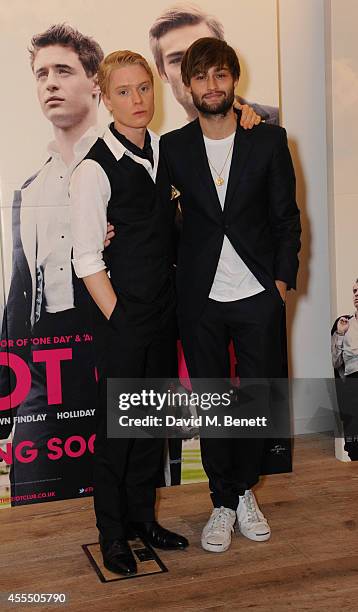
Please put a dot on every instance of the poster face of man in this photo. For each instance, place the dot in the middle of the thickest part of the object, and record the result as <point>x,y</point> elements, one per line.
<point>171,35</point>
<point>173,46</point>
<point>64,90</point>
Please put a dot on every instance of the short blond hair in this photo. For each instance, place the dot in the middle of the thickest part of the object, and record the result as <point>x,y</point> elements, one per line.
<point>117,59</point>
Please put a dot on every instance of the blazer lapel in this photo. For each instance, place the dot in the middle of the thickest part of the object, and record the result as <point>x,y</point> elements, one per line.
<point>200,165</point>
<point>242,147</point>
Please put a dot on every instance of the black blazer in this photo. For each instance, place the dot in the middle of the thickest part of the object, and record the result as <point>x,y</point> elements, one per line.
<point>260,216</point>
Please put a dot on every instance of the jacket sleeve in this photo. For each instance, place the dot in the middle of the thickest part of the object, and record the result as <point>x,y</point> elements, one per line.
<point>270,114</point>
<point>284,212</point>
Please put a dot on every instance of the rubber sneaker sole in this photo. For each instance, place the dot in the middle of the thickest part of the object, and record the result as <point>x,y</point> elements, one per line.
<point>216,548</point>
<point>256,537</point>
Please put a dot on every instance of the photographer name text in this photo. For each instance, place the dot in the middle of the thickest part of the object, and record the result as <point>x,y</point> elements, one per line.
<point>198,421</point>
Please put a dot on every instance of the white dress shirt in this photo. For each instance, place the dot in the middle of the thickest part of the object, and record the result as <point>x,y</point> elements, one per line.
<point>233,279</point>
<point>47,199</point>
<point>90,192</point>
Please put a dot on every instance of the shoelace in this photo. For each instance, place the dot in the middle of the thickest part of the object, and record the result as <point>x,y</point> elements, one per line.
<point>220,520</point>
<point>252,510</point>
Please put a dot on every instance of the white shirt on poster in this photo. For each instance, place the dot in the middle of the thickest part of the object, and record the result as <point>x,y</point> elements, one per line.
<point>46,201</point>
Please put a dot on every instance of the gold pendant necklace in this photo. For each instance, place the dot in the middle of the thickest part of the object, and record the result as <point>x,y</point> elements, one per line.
<point>219,181</point>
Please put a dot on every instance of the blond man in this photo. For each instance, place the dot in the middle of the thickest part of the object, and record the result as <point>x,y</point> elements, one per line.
<point>133,310</point>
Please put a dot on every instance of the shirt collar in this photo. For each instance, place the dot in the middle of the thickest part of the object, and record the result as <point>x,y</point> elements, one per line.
<point>114,145</point>
<point>118,149</point>
<point>82,145</point>
<point>146,152</point>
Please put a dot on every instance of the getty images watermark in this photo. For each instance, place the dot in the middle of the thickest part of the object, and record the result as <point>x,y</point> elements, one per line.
<point>179,400</point>
<point>256,408</point>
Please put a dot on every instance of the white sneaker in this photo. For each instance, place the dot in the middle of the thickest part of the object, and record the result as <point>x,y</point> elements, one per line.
<point>216,535</point>
<point>251,522</point>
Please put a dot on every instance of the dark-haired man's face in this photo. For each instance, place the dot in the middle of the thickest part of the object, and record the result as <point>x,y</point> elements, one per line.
<point>173,46</point>
<point>65,92</point>
<point>213,92</point>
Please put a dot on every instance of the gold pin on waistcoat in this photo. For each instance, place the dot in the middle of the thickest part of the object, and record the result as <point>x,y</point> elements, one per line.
<point>175,193</point>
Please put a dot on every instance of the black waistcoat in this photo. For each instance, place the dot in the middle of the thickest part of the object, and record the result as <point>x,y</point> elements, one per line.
<point>139,256</point>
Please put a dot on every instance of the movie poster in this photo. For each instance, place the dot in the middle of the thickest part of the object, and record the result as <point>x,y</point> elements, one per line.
<point>48,364</point>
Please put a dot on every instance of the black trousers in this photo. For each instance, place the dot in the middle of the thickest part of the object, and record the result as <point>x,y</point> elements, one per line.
<point>254,325</point>
<point>126,471</point>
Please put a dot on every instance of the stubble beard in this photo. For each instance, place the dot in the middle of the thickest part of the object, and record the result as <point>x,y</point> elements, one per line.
<point>221,108</point>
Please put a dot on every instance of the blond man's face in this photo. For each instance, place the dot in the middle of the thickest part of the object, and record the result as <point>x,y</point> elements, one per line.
<point>130,96</point>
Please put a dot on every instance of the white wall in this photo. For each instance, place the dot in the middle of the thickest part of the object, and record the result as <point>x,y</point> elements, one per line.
<point>302,77</point>
<point>342,90</point>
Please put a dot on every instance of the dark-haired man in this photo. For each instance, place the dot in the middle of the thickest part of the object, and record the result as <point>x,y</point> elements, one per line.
<point>45,298</point>
<point>237,258</point>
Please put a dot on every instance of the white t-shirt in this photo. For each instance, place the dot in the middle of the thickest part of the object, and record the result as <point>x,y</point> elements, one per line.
<point>233,279</point>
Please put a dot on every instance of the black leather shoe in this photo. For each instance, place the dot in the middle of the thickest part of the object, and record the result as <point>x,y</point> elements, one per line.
<point>117,556</point>
<point>159,537</point>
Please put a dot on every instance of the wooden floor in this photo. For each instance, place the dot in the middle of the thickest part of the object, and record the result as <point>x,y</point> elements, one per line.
<point>310,563</point>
